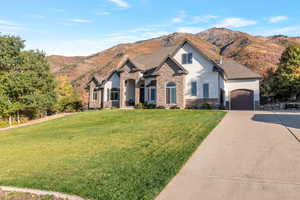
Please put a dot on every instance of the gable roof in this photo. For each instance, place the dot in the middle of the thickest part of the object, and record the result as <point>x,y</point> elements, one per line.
<point>149,64</point>
<point>235,71</point>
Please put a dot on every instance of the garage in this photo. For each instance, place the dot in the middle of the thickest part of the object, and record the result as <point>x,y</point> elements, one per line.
<point>242,99</point>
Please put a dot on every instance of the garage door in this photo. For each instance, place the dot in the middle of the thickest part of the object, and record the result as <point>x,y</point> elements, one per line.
<point>241,100</point>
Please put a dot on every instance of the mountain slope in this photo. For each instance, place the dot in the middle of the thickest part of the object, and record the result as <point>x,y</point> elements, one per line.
<point>79,70</point>
<point>256,52</point>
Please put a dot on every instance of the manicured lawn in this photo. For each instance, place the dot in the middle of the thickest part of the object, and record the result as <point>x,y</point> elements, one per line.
<point>111,154</point>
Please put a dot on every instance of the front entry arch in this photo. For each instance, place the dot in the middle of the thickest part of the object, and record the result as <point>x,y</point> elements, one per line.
<point>130,92</point>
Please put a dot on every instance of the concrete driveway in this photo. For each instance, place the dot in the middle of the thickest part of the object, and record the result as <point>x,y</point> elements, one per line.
<point>249,156</point>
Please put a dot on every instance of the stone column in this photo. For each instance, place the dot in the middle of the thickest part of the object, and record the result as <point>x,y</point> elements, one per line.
<point>137,93</point>
<point>122,92</point>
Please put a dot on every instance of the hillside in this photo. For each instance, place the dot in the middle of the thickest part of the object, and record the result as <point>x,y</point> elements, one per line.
<point>256,52</point>
<point>80,69</point>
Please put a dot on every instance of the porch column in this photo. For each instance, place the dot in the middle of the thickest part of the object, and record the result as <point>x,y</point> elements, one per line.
<point>137,93</point>
<point>122,92</point>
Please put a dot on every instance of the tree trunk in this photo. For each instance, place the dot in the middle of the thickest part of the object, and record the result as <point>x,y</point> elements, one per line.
<point>18,117</point>
<point>10,120</point>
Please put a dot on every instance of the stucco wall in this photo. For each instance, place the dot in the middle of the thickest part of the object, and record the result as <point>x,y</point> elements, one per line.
<point>113,82</point>
<point>249,84</point>
<point>201,70</point>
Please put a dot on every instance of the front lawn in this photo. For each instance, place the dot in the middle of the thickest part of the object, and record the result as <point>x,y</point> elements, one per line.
<point>111,154</point>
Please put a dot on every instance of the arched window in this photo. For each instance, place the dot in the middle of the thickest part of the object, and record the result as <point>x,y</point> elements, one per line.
<point>171,93</point>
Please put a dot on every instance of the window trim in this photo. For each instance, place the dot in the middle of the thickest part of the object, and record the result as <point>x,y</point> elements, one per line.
<point>187,58</point>
<point>95,95</point>
<point>196,88</point>
<point>169,101</point>
<point>117,91</point>
<point>206,97</point>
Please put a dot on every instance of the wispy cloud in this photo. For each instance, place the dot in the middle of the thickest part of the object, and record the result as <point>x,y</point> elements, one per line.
<point>37,16</point>
<point>103,13</point>
<point>10,27</point>
<point>204,18</point>
<point>235,23</point>
<point>180,18</point>
<point>288,30</point>
<point>59,10</point>
<point>6,22</point>
<point>189,29</point>
<point>77,20</point>
<point>184,18</point>
<point>120,3</point>
<point>277,19</point>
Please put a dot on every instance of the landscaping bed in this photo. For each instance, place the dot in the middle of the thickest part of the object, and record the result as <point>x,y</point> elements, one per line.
<point>5,195</point>
<point>109,154</point>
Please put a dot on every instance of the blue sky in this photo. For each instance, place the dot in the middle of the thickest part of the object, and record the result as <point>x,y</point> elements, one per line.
<point>83,27</point>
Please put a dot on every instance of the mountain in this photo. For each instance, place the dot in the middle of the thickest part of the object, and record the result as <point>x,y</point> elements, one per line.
<point>256,52</point>
<point>79,70</point>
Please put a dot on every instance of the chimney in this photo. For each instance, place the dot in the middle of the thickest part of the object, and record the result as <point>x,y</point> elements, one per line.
<point>221,60</point>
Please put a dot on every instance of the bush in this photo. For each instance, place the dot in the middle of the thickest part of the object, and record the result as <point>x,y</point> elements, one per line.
<point>150,106</point>
<point>206,106</point>
<point>69,104</point>
<point>139,106</point>
<point>161,107</point>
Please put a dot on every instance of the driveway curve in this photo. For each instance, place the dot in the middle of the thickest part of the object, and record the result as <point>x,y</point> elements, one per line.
<point>249,155</point>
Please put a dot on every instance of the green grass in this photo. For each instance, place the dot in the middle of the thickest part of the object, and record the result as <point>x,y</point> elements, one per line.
<point>111,154</point>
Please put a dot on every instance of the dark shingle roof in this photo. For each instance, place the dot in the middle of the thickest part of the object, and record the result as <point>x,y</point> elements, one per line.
<point>234,70</point>
<point>149,61</point>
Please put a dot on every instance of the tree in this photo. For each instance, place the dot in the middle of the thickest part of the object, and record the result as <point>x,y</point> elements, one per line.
<point>68,100</point>
<point>287,78</point>
<point>284,83</point>
<point>26,84</point>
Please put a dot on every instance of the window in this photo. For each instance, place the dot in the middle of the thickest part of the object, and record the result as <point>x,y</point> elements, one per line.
<point>206,90</point>
<point>171,93</point>
<point>115,94</point>
<point>187,58</point>
<point>194,88</point>
<point>152,95</point>
<point>95,95</point>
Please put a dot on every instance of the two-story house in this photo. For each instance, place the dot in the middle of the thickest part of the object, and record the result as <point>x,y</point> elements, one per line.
<point>179,75</point>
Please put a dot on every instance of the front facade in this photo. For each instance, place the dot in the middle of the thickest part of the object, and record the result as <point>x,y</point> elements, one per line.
<point>176,76</point>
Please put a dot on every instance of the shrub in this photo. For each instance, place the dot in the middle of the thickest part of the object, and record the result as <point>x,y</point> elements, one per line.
<point>161,107</point>
<point>150,106</point>
<point>206,106</point>
<point>69,104</point>
<point>139,106</point>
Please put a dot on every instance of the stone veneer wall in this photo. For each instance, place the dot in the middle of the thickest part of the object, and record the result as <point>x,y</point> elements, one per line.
<point>197,103</point>
<point>167,74</point>
<point>94,104</point>
<point>125,75</point>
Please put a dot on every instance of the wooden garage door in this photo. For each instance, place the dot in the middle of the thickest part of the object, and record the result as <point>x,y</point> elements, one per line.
<point>241,99</point>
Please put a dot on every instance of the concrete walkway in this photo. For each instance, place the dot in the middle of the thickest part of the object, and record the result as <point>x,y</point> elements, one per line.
<point>41,192</point>
<point>249,156</point>
<point>37,121</point>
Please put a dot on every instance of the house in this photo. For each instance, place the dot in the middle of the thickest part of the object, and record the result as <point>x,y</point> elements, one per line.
<point>179,75</point>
